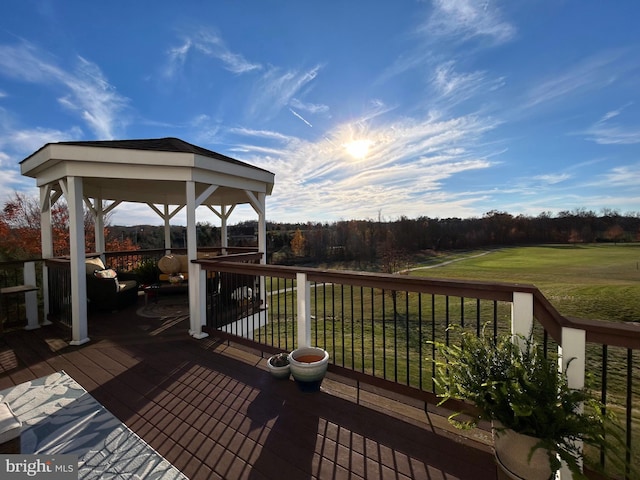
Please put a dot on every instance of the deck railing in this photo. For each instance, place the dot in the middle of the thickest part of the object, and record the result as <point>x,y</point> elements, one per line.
<point>378,329</point>
<point>20,302</point>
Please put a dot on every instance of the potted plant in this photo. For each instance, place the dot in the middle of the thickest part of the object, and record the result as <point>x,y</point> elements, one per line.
<point>518,388</point>
<point>279,365</point>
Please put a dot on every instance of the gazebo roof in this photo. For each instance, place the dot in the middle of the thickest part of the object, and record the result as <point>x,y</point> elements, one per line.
<point>147,171</point>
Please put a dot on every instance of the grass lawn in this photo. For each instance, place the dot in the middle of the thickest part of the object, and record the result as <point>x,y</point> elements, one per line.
<point>588,281</point>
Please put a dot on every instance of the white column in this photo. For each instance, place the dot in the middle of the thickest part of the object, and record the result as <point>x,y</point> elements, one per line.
<point>224,239</point>
<point>262,244</point>
<point>46,242</point>
<point>99,227</point>
<point>262,226</point>
<point>303,290</point>
<point>521,316</point>
<point>167,230</point>
<point>195,310</point>
<point>202,305</point>
<point>78,270</point>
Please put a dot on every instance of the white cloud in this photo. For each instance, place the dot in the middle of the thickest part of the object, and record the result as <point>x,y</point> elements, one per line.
<point>614,135</point>
<point>466,19</point>
<point>25,142</point>
<point>15,145</point>
<point>87,90</point>
<point>455,87</point>
<point>277,88</point>
<point>309,107</point>
<point>97,101</point>
<point>177,58</point>
<point>208,43</point>
<point>405,172</point>
<point>606,132</point>
<point>552,178</point>
<point>262,134</point>
<point>626,175</point>
<point>591,74</point>
<point>447,81</point>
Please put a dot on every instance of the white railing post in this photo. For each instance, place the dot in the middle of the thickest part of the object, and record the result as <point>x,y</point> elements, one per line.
<point>303,289</point>
<point>521,315</point>
<point>572,362</point>
<point>199,318</point>
<point>31,298</point>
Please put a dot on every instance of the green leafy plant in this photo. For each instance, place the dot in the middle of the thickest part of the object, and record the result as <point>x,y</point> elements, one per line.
<point>511,381</point>
<point>147,271</point>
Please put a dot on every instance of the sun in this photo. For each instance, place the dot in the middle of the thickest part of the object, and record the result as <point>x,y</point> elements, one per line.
<point>358,148</point>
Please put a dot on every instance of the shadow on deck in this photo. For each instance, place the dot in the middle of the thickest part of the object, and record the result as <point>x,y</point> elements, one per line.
<point>213,410</point>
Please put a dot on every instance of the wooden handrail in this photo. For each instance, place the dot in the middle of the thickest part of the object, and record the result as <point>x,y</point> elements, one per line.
<point>597,331</point>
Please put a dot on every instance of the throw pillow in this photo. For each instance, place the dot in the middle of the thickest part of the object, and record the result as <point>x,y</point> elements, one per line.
<point>93,264</point>
<point>106,273</point>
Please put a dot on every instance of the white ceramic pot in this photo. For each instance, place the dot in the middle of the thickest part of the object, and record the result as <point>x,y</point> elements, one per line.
<point>278,371</point>
<point>308,367</point>
<point>512,453</point>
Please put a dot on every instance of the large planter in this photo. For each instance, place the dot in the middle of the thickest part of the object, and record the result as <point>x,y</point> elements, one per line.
<point>308,366</point>
<point>512,451</point>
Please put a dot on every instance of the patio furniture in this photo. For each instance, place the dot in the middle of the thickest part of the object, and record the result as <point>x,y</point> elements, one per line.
<point>10,430</point>
<point>175,264</point>
<point>107,289</point>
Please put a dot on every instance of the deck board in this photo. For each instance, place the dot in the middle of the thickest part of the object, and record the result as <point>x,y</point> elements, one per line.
<point>213,410</point>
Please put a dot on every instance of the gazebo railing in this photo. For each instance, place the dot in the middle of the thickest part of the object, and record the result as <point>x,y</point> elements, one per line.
<point>59,290</point>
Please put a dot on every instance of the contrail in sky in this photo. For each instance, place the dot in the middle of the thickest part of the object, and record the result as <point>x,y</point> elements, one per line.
<point>300,117</point>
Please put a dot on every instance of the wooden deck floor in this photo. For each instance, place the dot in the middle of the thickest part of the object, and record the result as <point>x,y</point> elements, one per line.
<point>213,410</point>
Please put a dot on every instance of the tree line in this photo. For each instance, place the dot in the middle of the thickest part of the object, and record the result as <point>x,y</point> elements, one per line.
<point>362,241</point>
<point>371,240</point>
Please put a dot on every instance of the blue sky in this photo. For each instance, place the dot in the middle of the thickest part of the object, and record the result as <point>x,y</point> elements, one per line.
<point>361,108</point>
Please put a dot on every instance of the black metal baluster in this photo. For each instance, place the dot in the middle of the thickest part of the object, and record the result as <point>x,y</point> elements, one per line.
<point>373,333</point>
<point>433,339</point>
<point>407,333</point>
<point>384,337</point>
<point>420,341</point>
<point>362,329</point>
<point>342,321</point>
<point>603,397</point>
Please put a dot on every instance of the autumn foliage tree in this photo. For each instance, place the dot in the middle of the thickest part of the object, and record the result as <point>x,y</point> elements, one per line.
<point>297,243</point>
<point>20,230</point>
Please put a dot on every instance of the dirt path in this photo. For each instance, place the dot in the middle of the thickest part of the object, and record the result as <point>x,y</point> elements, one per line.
<point>447,262</point>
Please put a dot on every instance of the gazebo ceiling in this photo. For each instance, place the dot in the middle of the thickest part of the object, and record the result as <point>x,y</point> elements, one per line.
<point>147,171</point>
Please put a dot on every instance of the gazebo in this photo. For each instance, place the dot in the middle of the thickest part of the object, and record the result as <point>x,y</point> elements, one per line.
<point>167,174</point>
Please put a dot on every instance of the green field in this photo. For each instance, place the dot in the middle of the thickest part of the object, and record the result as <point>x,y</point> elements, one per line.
<point>588,281</point>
